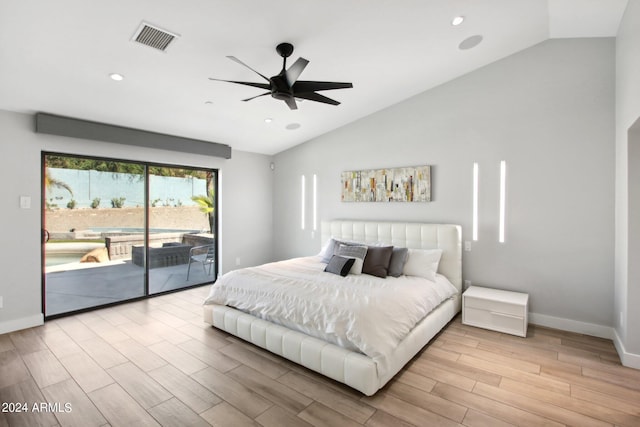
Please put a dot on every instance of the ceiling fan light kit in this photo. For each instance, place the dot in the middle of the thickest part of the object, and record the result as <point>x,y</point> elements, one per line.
<point>285,85</point>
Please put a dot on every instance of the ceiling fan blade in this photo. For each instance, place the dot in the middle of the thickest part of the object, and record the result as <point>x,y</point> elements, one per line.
<point>259,85</point>
<point>233,58</point>
<point>295,70</point>
<point>257,96</point>
<point>302,86</point>
<point>291,102</point>
<point>312,96</point>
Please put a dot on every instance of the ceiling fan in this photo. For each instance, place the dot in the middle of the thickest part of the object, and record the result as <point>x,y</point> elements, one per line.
<point>285,86</point>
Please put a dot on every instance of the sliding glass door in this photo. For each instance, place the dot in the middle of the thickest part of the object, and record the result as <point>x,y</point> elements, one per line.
<point>181,242</point>
<point>116,230</point>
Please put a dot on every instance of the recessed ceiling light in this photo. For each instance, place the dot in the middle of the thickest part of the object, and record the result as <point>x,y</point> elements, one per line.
<point>268,120</point>
<point>470,42</point>
<point>457,21</point>
<point>117,77</point>
<point>292,126</point>
<point>208,102</point>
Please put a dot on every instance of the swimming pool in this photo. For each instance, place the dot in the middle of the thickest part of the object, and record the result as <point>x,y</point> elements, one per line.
<point>140,230</point>
<point>67,252</point>
<point>61,258</point>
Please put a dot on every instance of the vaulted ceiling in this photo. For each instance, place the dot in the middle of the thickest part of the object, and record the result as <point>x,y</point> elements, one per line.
<point>57,56</point>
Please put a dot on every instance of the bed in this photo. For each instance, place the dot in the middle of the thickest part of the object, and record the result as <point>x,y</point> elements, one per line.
<point>347,359</point>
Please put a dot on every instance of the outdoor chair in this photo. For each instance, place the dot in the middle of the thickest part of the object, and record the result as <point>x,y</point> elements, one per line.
<point>205,254</point>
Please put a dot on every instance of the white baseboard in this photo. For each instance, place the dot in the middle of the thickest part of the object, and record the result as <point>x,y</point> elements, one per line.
<point>572,325</point>
<point>628,359</point>
<point>21,323</point>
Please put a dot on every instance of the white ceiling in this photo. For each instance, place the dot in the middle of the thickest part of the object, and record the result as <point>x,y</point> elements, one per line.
<point>56,56</point>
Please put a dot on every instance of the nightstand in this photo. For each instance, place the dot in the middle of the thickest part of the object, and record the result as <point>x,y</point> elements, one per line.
<point>495,309</point>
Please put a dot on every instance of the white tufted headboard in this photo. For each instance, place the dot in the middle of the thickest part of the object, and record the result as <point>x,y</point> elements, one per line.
<point>416,235</point>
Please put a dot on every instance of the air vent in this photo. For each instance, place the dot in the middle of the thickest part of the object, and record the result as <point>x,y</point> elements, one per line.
<point>154,37</point>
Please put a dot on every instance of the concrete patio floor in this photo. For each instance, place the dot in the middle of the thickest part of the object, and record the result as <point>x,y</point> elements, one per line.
<point>77,286</point>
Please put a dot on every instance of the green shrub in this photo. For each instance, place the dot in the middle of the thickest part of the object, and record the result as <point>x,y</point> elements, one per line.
<point>117,202</point>
<point>95,203</point>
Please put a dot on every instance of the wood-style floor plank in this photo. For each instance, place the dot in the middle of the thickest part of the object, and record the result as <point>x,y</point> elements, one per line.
<point>81,410</point>
<point>45,368</point>
<point>174,413</point>
<point>340,402</point>
<point>139,354</point>
<point>119,408</point>
<point>278,417</point>
<point>278,393</point>
<point>28,396</point>
<point>210,356</point>
<point>178,357</point>
<point>592,409</point>
<point>12,369</point>
<point>87,373</point>
<point>550,411</point>
<point>319,415</point>
<point>154,362</point>
<point>224,415</point>
<point>192,393</point>
<point>144,389</point>
<point>241,397</point>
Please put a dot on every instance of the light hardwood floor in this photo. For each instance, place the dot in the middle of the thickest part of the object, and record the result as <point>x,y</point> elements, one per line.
<point>156,363</point>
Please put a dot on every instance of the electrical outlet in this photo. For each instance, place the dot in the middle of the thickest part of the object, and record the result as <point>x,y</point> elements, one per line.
<point>467,246</point>
<point>2,303</point>
<point>238,261</point>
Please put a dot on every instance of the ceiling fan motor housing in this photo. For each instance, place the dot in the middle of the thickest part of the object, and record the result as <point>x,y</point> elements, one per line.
<point>280,88</point>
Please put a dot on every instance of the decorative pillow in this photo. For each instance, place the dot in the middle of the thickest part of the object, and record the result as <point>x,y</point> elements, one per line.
<point>331,247</point>
<point>376,262</point>
<point>396,263</point>
<point>353,251</point>
<point>339,265</point>
<point>423,263</point>
<point>327,250</point>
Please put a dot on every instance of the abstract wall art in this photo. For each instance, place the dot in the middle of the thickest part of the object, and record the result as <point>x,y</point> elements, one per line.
<point>405,184</point>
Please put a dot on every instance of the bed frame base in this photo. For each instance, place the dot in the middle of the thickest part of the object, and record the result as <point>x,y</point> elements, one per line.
<point>353,369</point>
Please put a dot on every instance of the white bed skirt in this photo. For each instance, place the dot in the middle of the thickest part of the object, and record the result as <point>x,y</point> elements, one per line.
<point>351,368</point>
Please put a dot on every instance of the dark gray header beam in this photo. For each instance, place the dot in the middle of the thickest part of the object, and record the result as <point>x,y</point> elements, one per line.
<point>76,128</point>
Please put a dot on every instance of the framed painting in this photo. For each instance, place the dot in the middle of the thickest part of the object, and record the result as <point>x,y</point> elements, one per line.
<point>404,184</point>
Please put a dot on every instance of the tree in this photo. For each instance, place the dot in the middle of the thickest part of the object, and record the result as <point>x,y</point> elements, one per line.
<point>50,183</point>
<point>206,207</point>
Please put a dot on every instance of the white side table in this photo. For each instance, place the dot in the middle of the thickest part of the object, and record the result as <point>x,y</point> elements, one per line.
<point>495,309</point>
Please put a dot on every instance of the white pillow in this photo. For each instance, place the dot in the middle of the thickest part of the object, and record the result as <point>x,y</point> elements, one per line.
<point>356,252</point>
<point>326,252</point>
<point>423,263</point>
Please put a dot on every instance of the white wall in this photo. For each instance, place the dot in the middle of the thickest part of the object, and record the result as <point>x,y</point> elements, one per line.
<point>627,232</point>
<point>549,112</point>
<point>246,183</point>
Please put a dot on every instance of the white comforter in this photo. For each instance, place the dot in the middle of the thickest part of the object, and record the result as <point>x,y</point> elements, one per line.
<point>358,312</point>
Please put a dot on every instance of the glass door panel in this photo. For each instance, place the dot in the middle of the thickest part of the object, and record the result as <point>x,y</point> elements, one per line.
<point>181,250</point>
<point>93,219</point>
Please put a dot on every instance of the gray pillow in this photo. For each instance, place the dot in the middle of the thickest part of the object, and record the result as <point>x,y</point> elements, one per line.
<point>332,248</point>
<point>397,261</point>
<point>353,251</point>
<point>376,263</point>
<point>339,265</point>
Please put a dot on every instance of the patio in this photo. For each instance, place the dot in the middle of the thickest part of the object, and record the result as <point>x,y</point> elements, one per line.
<point>77,286</point>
